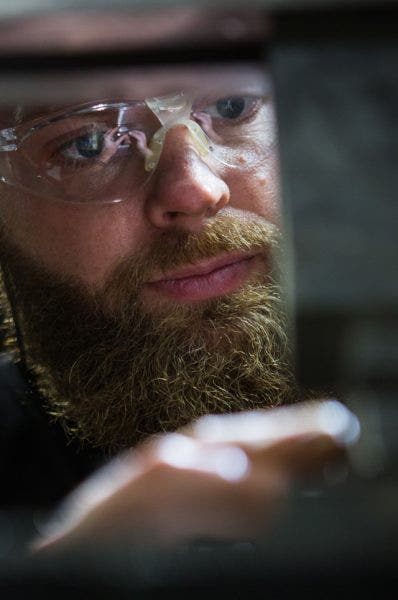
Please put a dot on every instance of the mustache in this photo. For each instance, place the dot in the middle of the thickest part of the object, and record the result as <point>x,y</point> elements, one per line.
<point>120,289</point>
<point>174,248</point>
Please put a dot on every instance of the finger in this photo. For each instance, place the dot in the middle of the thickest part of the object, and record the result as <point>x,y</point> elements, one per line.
<point>263,428</point>
<point>109,135</point>
<point>122,139</point>
<point>298,456</point>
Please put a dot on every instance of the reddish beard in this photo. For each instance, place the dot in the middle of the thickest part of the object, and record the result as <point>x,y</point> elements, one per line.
<point>114,371</point>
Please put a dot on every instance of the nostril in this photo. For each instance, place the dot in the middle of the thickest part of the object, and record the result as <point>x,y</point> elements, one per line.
<point>185,191</point>
<point>213,210</point>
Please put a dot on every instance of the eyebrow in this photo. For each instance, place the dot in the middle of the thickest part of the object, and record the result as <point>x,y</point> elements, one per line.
<point>131,84</point>
<point>34,112</point>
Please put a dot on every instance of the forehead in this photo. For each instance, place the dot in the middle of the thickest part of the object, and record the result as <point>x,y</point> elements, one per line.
<point>205,78</point>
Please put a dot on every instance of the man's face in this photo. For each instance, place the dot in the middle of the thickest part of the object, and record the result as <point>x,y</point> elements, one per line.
<point>170,286</point>
<point>86,242</point>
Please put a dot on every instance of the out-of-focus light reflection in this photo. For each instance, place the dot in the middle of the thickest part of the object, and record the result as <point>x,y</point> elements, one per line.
<point>265,427</point>
<point>338,422</point>
<point>229,462</point>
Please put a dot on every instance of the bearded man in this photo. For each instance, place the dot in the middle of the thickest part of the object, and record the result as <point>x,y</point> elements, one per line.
<point>139,240</point>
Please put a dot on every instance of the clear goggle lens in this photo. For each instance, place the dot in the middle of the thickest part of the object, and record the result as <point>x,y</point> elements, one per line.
<point>103,152</point>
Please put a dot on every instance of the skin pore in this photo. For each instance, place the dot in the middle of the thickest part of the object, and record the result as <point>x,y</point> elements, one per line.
<point>120,341</point>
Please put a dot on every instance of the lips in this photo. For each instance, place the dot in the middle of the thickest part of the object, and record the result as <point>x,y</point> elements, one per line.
<point>207,279</point>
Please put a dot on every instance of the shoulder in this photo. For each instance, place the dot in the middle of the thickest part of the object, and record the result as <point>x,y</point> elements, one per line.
<point>37,464</point>
<point>13,390</point>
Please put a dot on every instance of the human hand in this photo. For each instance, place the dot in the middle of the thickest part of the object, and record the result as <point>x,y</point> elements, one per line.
<point>224,476</point>
<point>111,144</point>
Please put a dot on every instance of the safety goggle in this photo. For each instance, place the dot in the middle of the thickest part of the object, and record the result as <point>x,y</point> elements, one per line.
<point>102,152</point>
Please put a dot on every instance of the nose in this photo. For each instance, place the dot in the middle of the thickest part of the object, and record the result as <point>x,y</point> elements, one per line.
<point>184,192</point>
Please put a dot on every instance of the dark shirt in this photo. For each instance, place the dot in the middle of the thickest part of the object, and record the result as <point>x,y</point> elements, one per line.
<point>38,464</point>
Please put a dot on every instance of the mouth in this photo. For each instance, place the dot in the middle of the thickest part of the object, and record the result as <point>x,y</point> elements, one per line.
<point>207,279</point>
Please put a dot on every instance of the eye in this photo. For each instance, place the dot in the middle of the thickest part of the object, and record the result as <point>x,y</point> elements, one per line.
<point>231,108</point>
<point>234,108</point>
<point>89,145</point>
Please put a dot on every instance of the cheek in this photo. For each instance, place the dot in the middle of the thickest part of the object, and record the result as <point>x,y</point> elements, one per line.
<point>258,190</point>
<point>75,241</point>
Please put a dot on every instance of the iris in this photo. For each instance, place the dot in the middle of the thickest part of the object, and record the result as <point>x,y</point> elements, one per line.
<point>231,108</point>
<point>90,145</point>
